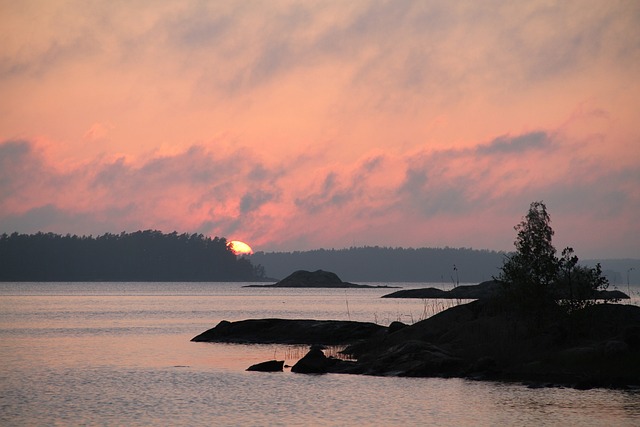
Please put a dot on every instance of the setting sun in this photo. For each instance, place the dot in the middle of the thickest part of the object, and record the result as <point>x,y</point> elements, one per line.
<point>240,248</point>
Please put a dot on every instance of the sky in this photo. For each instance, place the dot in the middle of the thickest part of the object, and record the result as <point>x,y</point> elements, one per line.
<point>296,125</point>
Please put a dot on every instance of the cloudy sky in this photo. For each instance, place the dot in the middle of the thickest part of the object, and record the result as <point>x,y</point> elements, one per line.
<point>296,125</point>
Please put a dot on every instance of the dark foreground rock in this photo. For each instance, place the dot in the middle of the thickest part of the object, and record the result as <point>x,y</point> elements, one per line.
<point>598,346</point>
<point>314,362</point>
<point>595,347</point>
<point>285,331</point>
<point>487,289</point>
<point>268,366</point>
<point>314,279</point>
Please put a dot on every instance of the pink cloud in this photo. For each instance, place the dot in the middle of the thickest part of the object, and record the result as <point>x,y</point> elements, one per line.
<point>451,197</point>
<point>322,124</point>
<point>98,131</point>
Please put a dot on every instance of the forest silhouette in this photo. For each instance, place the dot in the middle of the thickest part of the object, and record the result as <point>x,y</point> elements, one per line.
<point>151,255</point>
<point>140,256</point>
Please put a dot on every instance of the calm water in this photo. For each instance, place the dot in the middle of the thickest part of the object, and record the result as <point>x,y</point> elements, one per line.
<point>119,354</point>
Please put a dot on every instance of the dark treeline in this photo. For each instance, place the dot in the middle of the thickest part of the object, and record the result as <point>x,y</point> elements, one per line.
<point>383,264</point>
<point>139,256</point>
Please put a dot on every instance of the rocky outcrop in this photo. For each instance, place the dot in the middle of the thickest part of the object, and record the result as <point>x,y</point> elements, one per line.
<point>611,295</point>
<point>268,366</point>
<point>598,346</point>
<point>285,331</point>
<point>483,290</point>
<point>314,362</point>
<point>314,279</point>
<point>487,289</point>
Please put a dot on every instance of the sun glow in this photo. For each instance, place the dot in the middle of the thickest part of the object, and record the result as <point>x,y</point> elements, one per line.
<point>240,248</point>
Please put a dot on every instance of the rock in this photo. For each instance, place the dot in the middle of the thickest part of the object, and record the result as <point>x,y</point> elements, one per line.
<point>487,289</point>
<point>318,278</point>
<point>286,331</point>
<point>268,366</point>
<point>482,290</point>
<point>431,293</point>
<point>578,354</point>
<point>484,365</point>
<point>483,340</point>
<point>314,362</point>
<point>314,279</point>
<point>611,295</point>
<point>631,335</point>
<point>412,358</point>
<point>597,295</point>
<point>614,347</point>
<point>396,326</point>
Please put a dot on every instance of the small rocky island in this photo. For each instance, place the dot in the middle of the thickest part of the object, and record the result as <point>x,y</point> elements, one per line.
<point>287,331</point>
<point>487,289</point>
<point>482,290</point>
<point>314,279</point>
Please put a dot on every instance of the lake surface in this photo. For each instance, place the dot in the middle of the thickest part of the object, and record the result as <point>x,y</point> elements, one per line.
<point>120,354</point>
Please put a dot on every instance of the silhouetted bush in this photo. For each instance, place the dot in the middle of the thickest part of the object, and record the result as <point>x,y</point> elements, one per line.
<point>535,280</point>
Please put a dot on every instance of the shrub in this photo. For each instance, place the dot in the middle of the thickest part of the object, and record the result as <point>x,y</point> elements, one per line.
<point>535,280</point>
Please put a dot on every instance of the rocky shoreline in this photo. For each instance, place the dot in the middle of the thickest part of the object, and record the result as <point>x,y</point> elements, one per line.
<point>598,346</point>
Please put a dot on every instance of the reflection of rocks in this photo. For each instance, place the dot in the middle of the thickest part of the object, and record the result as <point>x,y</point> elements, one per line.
<point>268,366</point>
<point>284,331</point>
<point>314,279</point>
